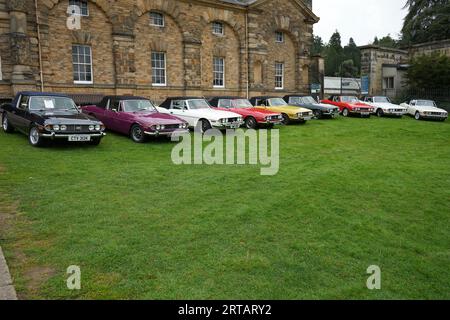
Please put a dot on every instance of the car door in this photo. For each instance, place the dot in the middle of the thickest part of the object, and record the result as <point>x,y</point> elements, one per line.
<point>412,107</point>
<point>21,114</point>
<point>13,115</point>
<point>110,113</point>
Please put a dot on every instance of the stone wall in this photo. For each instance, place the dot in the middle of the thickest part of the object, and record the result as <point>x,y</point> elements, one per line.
<point>122,40</point>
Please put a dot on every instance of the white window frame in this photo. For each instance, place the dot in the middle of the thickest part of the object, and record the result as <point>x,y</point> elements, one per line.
<point>219,72</point>
<point>277,75</point>
<point>277,34</point>
<point>78,63</point>
<point>163,19</point>
<point>78,3</point>
<point>214,29</point>
<point>158,68</point>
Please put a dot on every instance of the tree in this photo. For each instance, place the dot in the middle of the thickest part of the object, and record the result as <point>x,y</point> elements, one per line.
<point>352,53</point>
<point>427,20</point>
<point>388,42</point>
<point>376,41</point>
<point>429,72</point>
<point>318,45</point>
<point>348,69</point>
<point>333,55</point>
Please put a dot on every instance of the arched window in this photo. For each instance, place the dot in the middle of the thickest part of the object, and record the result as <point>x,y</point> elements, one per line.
<point>218,28</point>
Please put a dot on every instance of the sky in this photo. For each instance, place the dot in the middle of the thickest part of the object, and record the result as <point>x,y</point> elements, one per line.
<point>360,19</point>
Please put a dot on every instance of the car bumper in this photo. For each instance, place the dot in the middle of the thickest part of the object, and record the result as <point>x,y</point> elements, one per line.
<point>394,113</point>
<point>433,117</point>
<point>234,125</point>
<point>275,122</point>
<point>304,118</point>
<point>330,114</point>
<point>54,135</point>
<point>165,133</point>
<point>361,113</point>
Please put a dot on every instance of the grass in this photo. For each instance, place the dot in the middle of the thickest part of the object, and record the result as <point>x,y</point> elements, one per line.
<point>350,193</point>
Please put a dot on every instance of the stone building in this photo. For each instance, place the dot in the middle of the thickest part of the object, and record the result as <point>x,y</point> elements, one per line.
<point>386,67</point>
<point>156,48</point>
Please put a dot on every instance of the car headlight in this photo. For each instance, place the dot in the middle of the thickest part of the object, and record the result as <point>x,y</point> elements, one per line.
<point>48,127</point>
<point>63,128</point>
<point>91,127</point>
<point>240,119</point>
<point>163,127</point>
<point>97,127</point>
<point>158,127</point>
<point>56,127</point>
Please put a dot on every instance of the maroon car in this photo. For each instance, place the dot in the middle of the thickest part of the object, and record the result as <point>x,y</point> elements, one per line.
<point>135,116</point>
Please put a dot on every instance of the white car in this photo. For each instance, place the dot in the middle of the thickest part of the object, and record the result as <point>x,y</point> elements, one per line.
<point>425,109</point>
<point>199,115</point>
<point>384,107</point>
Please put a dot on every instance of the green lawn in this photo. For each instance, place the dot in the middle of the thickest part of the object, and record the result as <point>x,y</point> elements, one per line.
<point>350,193</point>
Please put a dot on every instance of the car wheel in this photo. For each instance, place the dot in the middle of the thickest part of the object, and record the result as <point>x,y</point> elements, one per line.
<point>318,114</point>
<point>417,116</point>
<point>95,141</point>
<point>380,113</point>
<point>7,127</point>
<point>34,138</point>
<point>345,112</point>
<point>286,119</point>
<point>203,125</point>
<point>250,123</point>
<point>137,134</point>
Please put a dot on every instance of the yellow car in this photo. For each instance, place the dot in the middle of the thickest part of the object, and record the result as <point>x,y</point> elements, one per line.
<point>277,104</point>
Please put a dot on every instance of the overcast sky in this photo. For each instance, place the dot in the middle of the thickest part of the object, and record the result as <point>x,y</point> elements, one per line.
<point>360,19</point>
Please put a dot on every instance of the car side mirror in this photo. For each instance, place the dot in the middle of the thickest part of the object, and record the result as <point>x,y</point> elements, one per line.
<point>23,105</point>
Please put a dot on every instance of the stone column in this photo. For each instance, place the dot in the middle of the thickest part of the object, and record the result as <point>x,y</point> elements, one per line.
<point>22,76</point>
<point>192,67</point>
<point>124,63</point>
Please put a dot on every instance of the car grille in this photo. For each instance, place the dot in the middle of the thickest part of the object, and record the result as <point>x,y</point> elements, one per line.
<point>232,120</point>
<point>436,114</point>
<point>396,110</point>
<point>305,114</point>
<point>274,118</point>
<point>171,126</point>
<point>78,128</point>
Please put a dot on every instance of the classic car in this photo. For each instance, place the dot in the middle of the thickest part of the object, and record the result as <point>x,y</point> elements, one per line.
<point>320,110</point>
<point>48,116</point>
<point>136,117</point>
<point>384,107</point>
<point>349,105</point>
<point>288,112</point>
<point>199,114</point>
<point>253,117</point>
<point>425,109</point>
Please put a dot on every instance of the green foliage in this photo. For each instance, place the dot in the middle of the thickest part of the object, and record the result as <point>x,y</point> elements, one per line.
<point>318,46</point>
<point>429,72</point>
<point>342,61</point>
<point>427,20</point>
<point>387,42</point>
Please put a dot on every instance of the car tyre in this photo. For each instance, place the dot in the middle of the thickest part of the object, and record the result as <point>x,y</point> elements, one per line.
<point>417,116</point>
<point>203,125</point>
<point>137,134</point>
<point>35,139</point>
<point>286,119</point>
<point>345,112</point>
<point>318,114</point>
<point>380,113</point>
<point>250,123</point>
<point>6,125</point>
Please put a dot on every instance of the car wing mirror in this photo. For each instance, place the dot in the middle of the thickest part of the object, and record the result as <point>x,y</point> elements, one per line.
<point>23,105</point>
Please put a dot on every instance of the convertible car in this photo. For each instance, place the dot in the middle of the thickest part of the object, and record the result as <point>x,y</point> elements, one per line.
<point>425,109</point>
<point>288,112</point>
<point>384,107</point>
<point>135,116</point>
<point>48,116</point>
<point>350,105</point>
<point>320,110</point>
<point>253,117</point>
<point>199,114</point>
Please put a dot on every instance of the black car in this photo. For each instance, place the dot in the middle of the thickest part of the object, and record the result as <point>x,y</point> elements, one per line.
<point>320,110</point>
<point>47,116</point>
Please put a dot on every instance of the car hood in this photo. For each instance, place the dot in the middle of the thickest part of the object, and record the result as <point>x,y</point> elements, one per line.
<point>387,105</point>
<point>211,114</point>
<point>290,109</point>
<point>155,118</point>
<point>65,117</point>
<point>359,105</point>
<point>429,109</point>
<point>255,111</point>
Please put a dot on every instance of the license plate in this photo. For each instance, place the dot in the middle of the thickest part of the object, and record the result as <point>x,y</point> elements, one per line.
<point>235,125</point>
<point>307,118</point>
<point>79,138</point>
<point>365,113</point>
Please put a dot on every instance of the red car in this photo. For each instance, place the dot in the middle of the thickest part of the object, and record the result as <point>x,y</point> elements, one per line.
<point>253,117</point>
<point>350,105</point>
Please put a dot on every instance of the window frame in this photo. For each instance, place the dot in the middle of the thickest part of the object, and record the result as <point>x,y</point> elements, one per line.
<point>222,28</point>
<point>163,19</point>
<point>387,83</point>
<point>215,72</point>
<point>164,54</point>
<point>277,75</point>
<point>277,33</point>
<point>74,3</point>
<point>91,64</point>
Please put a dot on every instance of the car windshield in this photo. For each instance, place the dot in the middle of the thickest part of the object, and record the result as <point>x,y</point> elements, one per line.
<point>425,103</point>
<point>381,99</point>
<point>52,104</point>
<point>241,103</point>
<point>277,102</point>
<point>309,100</point>
<point>198,104</point>
<point>349,99</point>
<point>138,105</point>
